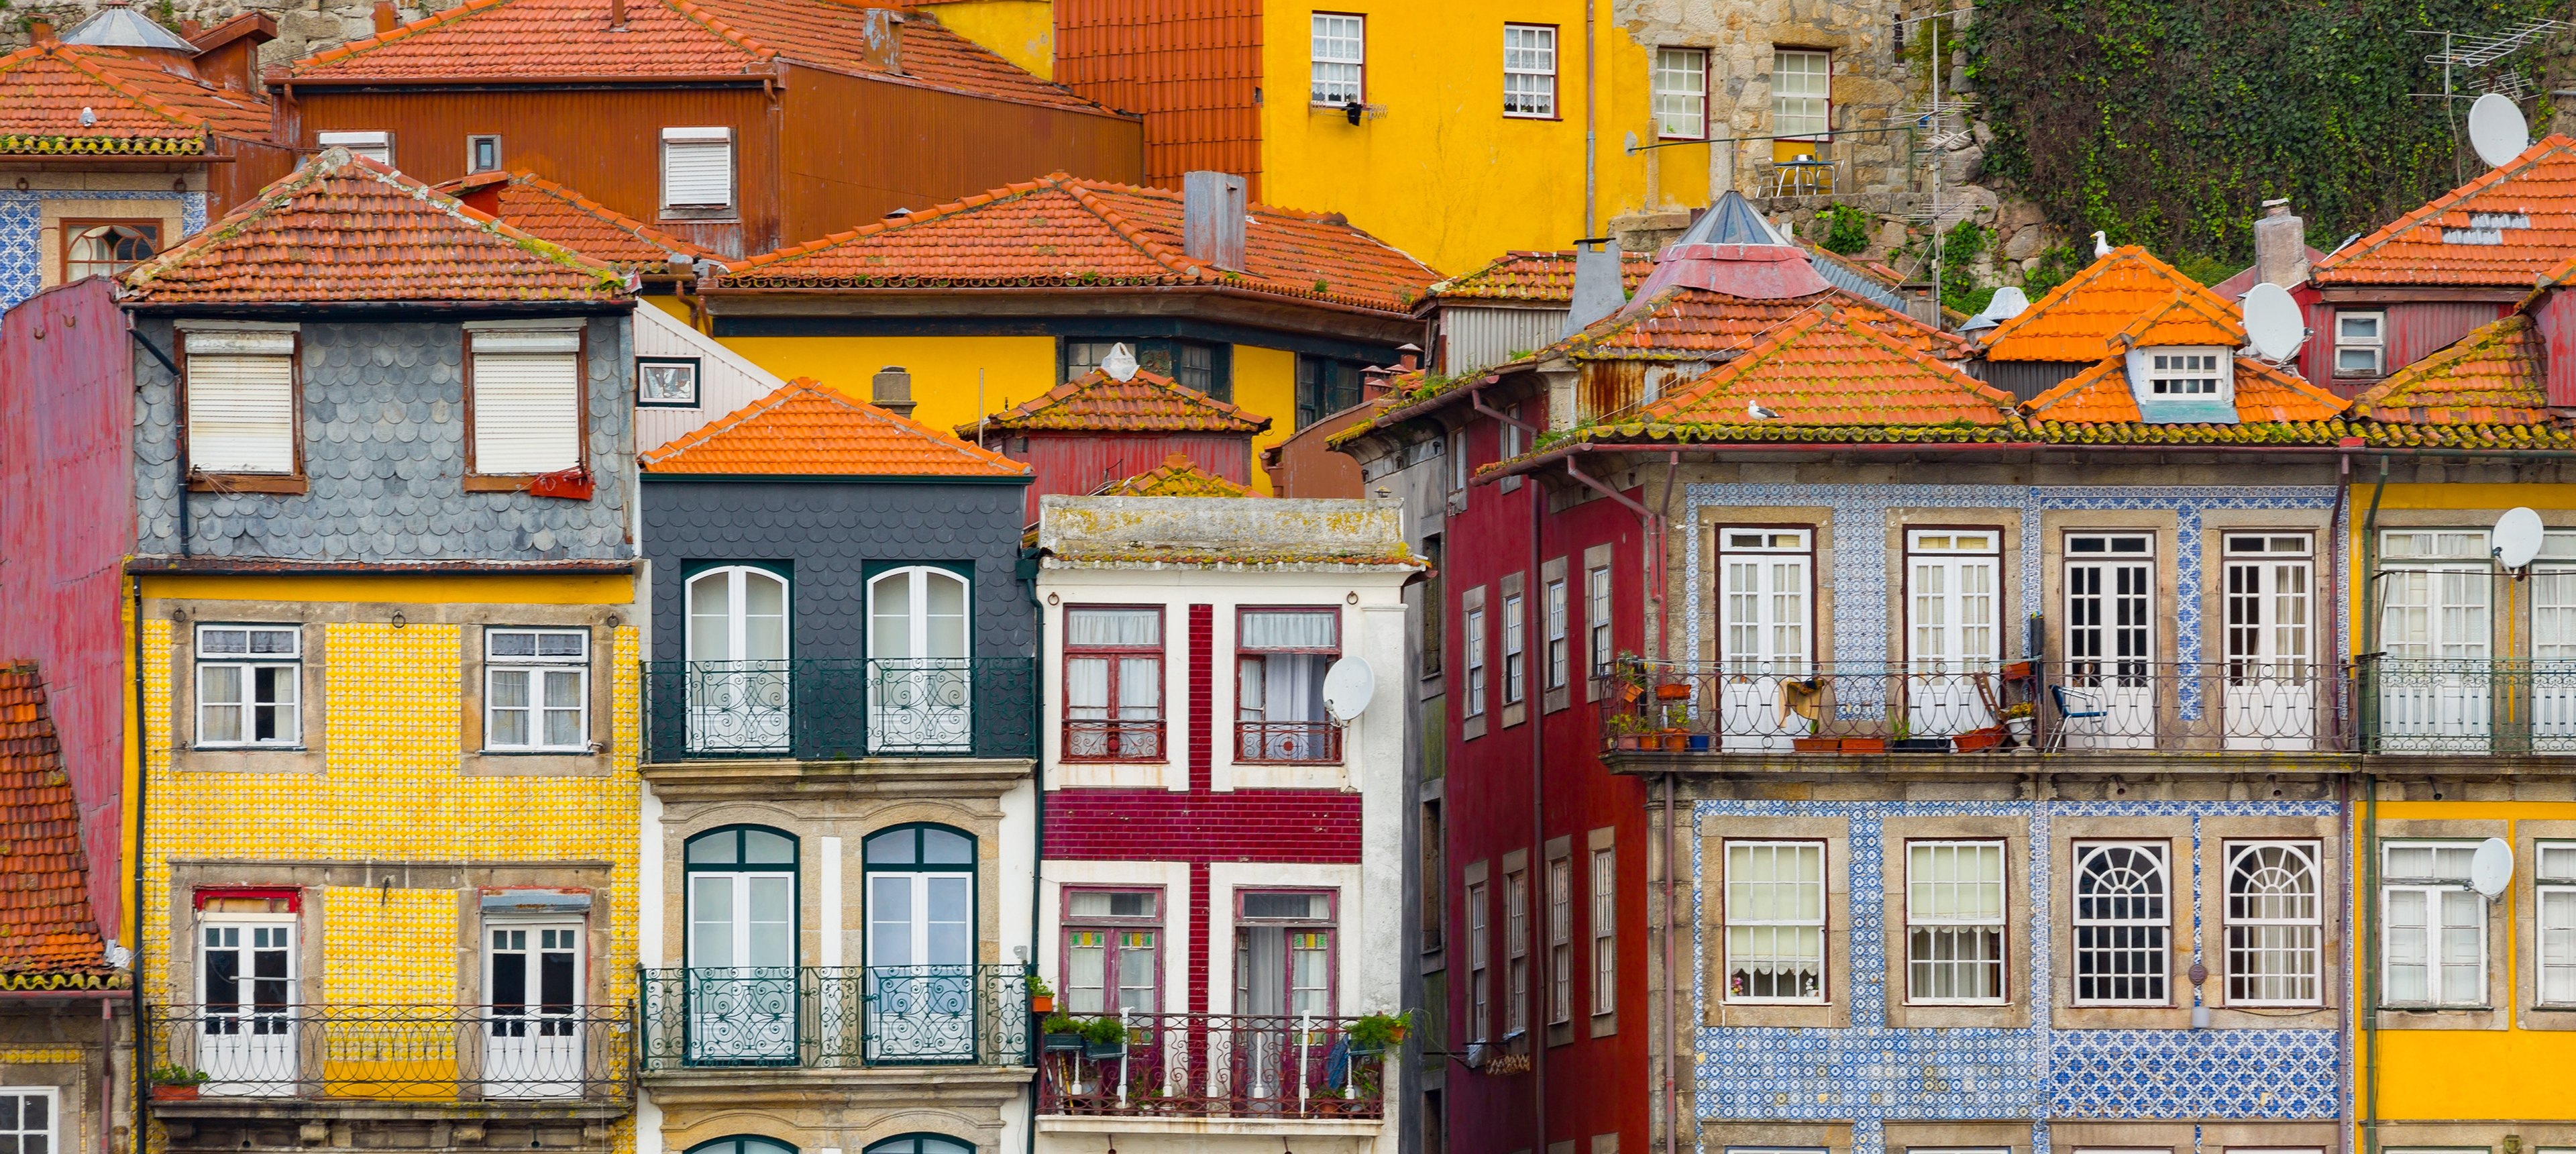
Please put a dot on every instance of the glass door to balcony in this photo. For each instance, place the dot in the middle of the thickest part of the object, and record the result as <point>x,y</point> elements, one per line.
<point>248,985</point>
<point>920,691</point>
<point>532,991</point>
<point>1952,640</point>
<point>2109,693</point>
<point>1283,979</point>
<point>1764,637</point>
<point>2436,635</point>
<point>742,979</point>
<point>2553,647</point>
<point>738,670</point>
<point>2268,692</point>
<point>921,995</point>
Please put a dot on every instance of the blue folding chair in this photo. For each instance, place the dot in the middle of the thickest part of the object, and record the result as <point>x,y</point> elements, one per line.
<point>2073,705</point>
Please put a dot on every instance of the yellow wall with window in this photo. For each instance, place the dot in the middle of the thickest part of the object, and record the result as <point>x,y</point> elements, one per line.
<point>2478,505</point>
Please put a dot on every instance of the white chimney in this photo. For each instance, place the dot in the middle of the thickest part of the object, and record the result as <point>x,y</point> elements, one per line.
<point>2280,245</point>
<point>1212,211</point>
<point>1598,291</point>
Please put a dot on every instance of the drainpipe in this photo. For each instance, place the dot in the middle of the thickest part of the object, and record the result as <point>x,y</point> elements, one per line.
<point>2370,970</point>
<point>1672,984</point>
<point>2343,1023</point>
<point>1591,151</point>
<point>139,1093</point>
<point>1037,836</point>
<point>1536,719</point>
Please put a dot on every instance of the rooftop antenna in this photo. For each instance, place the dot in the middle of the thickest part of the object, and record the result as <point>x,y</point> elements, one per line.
<point>1932,120</point>
<point>2463,53</point>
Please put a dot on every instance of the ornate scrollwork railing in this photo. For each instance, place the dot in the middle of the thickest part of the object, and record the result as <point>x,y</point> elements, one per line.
<point>824,709</point>
<point>448,1053</point>
<point>835,1017</point>
<point>1216,1066</point>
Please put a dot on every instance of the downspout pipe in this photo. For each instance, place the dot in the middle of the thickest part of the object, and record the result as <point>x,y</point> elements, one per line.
<point>142,1062</point>
<point>1537,723</point>
<point>1672,982</point>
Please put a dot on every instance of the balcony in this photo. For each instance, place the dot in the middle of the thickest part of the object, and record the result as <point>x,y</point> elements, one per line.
<point>1214,1066</point>
<point>2458,706</point>
<point>834,1018</point>
<point>2051,707</point>
<point>841,709</point>
<point>253,1055</point>
<point>1288,742</point>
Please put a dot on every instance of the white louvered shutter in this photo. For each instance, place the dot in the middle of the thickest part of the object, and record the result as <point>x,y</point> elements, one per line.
<point>527,402</point>
<point>697,168</point>
<point>375,146</point>
<point>241,402</point>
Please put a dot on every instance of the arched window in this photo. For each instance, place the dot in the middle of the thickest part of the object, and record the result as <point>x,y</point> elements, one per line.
<point>920,1144</point>
<point>108,249</point>
<point>2274,920</point>
<point>920,688</point>
<point>743,1144</point>
<point>2120,924</point>
<point>741,913</point>
<point>738,671</point>
<point>921,943</point>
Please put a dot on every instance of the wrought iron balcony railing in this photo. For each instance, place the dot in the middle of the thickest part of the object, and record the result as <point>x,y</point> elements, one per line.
<point>829,709</point>
<point>1928,707</point>
<point>2418,705</point>
<point>1305,742</point>
<point>434,1053</point>
<point>1215,1066</point>
<point>842,1017</point>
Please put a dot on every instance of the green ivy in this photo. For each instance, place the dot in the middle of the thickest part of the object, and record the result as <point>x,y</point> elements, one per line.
<point>1846,229</point>
<point>2056,263</point>
<point>2167,122</point>
<point>1960,248</point>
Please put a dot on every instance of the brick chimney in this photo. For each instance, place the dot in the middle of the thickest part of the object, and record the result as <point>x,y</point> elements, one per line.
<point>1212,210</point>
<point>386,19</point>
<point>40,30</point>
<point>891,390</point>
<point>2280,245</point>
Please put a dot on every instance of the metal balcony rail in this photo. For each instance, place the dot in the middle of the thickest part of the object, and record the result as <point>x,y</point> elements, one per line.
<point>406,1052</point>
<point>1113,739</point>
<point>1933,707</point>
<point>829,708</point>
<point>1215,1066</point>
<point>1290,741</point>
<point>836,1017</point>
<point>2422,705</point>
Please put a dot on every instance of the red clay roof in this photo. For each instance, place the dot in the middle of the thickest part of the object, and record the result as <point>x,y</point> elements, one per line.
<point>344,228</point>
<point>510,39</point>
<point>1691,324</point>
<point>544,209</point>
<point>1177,476</point>
<point>48,933</point>
<point>2504,228</point>
<point>1536,276</point>
<point>2076,320</point>
<point>1060,231</point>
<point>803,429</point>
<point>1144,403</point>
<point>2264,396</point>
<point>2491,376</point>
<point>2184,319</point>
<point>138,106</point>
<point>1833,368</point>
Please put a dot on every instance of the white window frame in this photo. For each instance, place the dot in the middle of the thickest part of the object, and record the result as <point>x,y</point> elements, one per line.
<point>1475,631</point>
<point>539,669</point>
<point>289,716</point>
<point>1529,71</point>
<point>2375,345</point>
<point>2311,927</point>
<point>1516,952</point>
<point>2554,885</point>
<point>2182,373</point>
<point>1329,35</point>
<point>504,443</point>
<point>2123,924</point>
<point>1560,658</point>
<point>2435,892</point>
<point>1814,123</point>
<point>2001,923</point>
<point>377,146</point>
<point>1605,926</point>
<point>1515,648</point>
<point>1560,940</point>
<point>1675,102</point>
<point>573,941</point>
<point>257,428</point>
<point>472,164</point>
<point>1597,618</point>
<point>50,1132</point>
<point>1821,923</point>
<point>1480,988</point>
<point>700,138</point>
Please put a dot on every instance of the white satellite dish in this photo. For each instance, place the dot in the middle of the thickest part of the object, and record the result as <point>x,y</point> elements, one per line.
<point>2272,322</point>
<point>2497,130</point>
<point>2491,870</point>
<point>2518,535</point>
<point>1348,685</point>
<point>2008,302</point>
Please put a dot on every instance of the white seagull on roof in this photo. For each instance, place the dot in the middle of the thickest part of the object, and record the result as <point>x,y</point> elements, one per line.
<point>1755,410</point>
<point>2101,245</point>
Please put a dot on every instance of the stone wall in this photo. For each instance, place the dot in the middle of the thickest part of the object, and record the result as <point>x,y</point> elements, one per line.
<point>303,26</point>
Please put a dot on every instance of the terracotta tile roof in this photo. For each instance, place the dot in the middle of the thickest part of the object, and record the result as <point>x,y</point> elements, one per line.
<point>1063,232</point>
<point>803,429</point>
<point>1144,403</point>
<point>1535,276</point>
<point>1691,324</point>
<point>344,228</point>
<point>2506,227</point>
<point>138,107</point>
<point>2266,398</point>
<point>2076,320</point>
<point>48,934</point>
<point>511,39</point>
<point>544,209</point>
<point>2491,376</point>
<point>2184,319</point>
<point>1832,371</point>
<point>1177,476</point>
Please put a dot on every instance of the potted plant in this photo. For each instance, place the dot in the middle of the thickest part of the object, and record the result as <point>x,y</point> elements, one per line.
<point>2018,720</point>
<point>1374,1034</point>
<point>1977,739</point>
<point>1629,672</point>
<point>1063,1034</point>
<point>1041,999</point>
<point>1673,691</point>
<point>1627,730</point>
<point>172,1082</point>
<point>1862,745</point>
<point>1902,740</point>
<point>1104,1039</point>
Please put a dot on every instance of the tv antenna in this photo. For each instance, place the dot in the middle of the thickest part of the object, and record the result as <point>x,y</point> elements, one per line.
<point>2463,53</point>
<point>1933,120</point>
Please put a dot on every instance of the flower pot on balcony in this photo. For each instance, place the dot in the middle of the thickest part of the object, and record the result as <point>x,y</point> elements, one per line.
<point>1104,1051</point>
<point>1673,691</point>
<point>174,1093</point>
<point>1627,741</point>
<point>1919,745</point>
<point>1864,745</point>
<point>1699,743</point>
<point>2016,671</point>
<point>2020,728</point>
<point>1676,741</point>
<point>1041,1003</point>
<point>1062,1043</point>
<point>1816,744</point>
<point>1977,739</point>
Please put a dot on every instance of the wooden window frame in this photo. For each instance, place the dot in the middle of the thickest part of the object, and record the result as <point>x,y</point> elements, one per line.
<point>69,229</point>
<point>1326,736</point>
<point>1824,921</point>
<point>1330,925</point>
<point>1161,653</point>
<point>474,141</point>
<point>1361,62</point>
<point>1069,924</point>
<point>293,483</point>
<point>2004,935</point>
<point>2083,852</point>
<point>731,210</point>
<point>1654,72</point>
<point>480,482</point>
<point>2229,854</point>
<point>1828,116</point>
<point>1554,73</point>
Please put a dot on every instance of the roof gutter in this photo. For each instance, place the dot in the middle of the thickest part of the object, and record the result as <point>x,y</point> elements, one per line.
<point>1531,464</point>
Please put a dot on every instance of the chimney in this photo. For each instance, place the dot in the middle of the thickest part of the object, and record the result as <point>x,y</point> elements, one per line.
<point>881,39</point>
<point>40,30</point>
<point>1212,211</point>
<point>617,14</point>
<point>2280,245</point>
<point>386,20</point>
<point>1374,381</point>
<point>1597,290</point>
<point>891,390</point>
<point>1408,357</point>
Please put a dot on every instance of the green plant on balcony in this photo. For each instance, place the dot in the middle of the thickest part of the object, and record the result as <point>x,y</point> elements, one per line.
<point>1041,997</point>
<point>174,1074</point>
<point>1062,1032</point>
<point>1377,1033</point>
<point>1104,1038</point>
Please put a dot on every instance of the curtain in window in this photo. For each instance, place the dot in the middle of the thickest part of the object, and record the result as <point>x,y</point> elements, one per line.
<point>1119,628</point>
<point>1290,630</point>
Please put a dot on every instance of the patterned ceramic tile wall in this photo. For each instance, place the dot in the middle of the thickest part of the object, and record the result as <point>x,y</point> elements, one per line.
<point>1868,1073</point>
<point>22,232</point>
<point>389,947</point>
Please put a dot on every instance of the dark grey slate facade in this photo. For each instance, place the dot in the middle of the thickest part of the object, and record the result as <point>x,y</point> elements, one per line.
<point>384,455</point>
<point>832,536</point>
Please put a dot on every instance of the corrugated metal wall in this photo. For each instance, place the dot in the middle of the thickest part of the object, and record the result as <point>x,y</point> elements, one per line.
<point>1190,66</point>
<point>2025,379</point>
<point>2416,329</point>
<point>1477,338</point>
<point>726,381</point>
<point>2557,317</point>
<point>1080,463</point>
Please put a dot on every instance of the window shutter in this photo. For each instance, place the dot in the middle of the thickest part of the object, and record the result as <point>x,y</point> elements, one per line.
<point>527,402</point>
<point>241,402</point>
<point>697,168</point>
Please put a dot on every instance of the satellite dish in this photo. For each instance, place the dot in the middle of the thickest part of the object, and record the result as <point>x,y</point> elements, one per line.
<point>2518,535</point>
<point>2491,870</point>
<point>1120,364</point>
<point>2008,302</point>
<point>2272,321</point>
<point>1348,685</point>
<point>2497,130</point>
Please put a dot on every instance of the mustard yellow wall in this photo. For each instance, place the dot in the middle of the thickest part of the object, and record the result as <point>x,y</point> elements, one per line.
<point>1265,382</point>
<point>1443,141</point>
<point>2477,507</point>
<point>1020,31</point>
<point>670,303</point>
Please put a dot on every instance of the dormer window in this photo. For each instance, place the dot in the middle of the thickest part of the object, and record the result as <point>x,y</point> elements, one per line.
<point>2184,375</point>
<point>2184,385</point>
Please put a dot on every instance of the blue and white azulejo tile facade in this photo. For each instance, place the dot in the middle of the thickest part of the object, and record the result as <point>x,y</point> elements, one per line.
<point>22,233</point>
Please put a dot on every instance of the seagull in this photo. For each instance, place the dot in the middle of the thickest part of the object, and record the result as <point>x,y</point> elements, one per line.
<point>1755,410</point>
<point>89,118</point>
<point>2101,245</point>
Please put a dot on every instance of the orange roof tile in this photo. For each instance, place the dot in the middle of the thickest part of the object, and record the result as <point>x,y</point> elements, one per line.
<point>2184,319</point>
<point>2076,320</point>
<point>1060,231</point>
<point>1177,476</point>
<point>510,39</point>
<point>136,107</point>
<point>46,924</point>
<point>2509,225</point>
<point>1535,276</point>
<point>547,210</point>
<point>803,429</point>
<point>1144,403</point>
<point>2491,376</point>
<point>1695,325</point>
<point>2101,394</point>
<point>344,228</point>
<point>1833,367</point>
